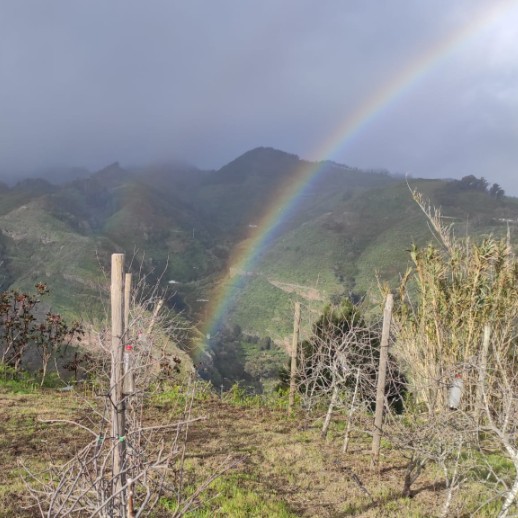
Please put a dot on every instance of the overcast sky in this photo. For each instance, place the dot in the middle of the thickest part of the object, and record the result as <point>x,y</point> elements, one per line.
<point>88,82</point>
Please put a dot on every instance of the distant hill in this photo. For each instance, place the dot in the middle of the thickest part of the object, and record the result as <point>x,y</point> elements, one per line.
<point>182,225</point>
<point>351,241</point>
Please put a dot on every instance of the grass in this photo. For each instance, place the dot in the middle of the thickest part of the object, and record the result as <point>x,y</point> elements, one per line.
<point>23,382</point>
<point>16,383</point>
<point>240,396</point>
<point>25,439</point>
<point>283,467</point>
<point>231,495</point>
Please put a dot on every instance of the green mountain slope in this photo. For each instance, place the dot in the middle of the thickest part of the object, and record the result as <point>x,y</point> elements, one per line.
<point>361,239</point>
<point>40,248</point>
<point>182,226</point>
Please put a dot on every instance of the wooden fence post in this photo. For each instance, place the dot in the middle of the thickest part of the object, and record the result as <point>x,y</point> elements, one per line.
<point>351,412</point>
<point>294,350</point>
<point>117,401</point>
<point>382,375</point>
<point>479,399</point>
<point>330,408</point>
<point>127,300</point>
<point>128,381</point>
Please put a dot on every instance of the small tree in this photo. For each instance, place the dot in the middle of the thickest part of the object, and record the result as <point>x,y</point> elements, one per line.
<point>495,191</point>
<point>338,365</point>
<point>17,323</point>
<point>21,328</point>
<point>471,182</point>
<point>52,335</point>
<point>340,342</point>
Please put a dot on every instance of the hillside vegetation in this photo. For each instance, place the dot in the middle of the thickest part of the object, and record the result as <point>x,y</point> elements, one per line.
<point>348,230</point>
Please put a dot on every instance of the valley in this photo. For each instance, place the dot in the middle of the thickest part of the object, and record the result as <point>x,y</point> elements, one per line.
<point>247,241</point>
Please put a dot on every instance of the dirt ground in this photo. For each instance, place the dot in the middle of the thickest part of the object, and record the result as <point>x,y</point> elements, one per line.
<point>25,440</point>
<point>281,459</point>
<point>289,462</point>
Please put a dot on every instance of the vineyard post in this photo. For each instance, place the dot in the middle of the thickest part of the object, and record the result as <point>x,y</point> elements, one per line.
<point>482,372</point>
<point>117,401</point>
<point>128,383</point>
<point>294,349</point>
<point>127,298</point>
<point>382,375</point>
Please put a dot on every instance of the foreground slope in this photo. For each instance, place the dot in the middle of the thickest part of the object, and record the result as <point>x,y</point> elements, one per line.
<point>283,468</point>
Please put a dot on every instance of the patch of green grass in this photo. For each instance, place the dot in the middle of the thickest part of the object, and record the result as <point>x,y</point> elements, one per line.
<point>478,500</point>
<point>404,507</point>
<point>24,382</point>
<point>178,395</point>
<point>20,382</point>
<point>175,394</point>
<point>492,467</point>
<point>240,396</point>
<point>230,496</point>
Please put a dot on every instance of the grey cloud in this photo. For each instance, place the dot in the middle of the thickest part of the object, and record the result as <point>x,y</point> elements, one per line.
<point>86,83</point>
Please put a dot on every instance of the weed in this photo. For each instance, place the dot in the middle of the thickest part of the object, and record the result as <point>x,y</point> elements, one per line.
<point>16,382</point>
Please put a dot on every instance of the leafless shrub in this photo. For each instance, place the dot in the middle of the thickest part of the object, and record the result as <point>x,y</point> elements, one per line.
<point>499,389</point>
<point>154,454</point>
<point>338,367</point>
<point>441,440</point>
<point>155,457</point>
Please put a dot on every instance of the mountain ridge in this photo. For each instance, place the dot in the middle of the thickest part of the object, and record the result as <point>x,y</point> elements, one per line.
<point>181,226</point>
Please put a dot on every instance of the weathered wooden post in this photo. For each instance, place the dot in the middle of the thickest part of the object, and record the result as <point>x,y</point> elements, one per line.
<point>382,376</point>
<point>127,299</point>
<point>130,510</point>
<point>128,382</point>
<point>294,350</point>
<point>118,407</point>
<point>481,385</point>
<point>330,408</point>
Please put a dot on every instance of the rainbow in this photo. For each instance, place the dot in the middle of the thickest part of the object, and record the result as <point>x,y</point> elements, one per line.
<point>246,254</point>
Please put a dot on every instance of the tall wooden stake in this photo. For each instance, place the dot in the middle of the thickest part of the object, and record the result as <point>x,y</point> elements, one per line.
<point>294,349</point>
<point>118,418</point>
<point>382,376</point>
<point>330,408</point>
<point>482,372</point>
<point>128,385</point>
<point>127,299</point>
<point>351,412</point>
